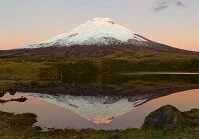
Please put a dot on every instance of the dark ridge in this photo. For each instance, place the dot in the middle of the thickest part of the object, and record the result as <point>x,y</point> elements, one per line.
<point>165,48</point>
<point>94,51</point>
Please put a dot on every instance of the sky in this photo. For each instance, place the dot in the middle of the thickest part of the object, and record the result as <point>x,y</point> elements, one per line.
<point>172,22</point>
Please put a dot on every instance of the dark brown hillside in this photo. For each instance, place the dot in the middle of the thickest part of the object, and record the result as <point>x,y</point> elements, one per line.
<point>128,50</point>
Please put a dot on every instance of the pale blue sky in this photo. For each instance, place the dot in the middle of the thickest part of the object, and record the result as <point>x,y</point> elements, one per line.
<point>24,22</point>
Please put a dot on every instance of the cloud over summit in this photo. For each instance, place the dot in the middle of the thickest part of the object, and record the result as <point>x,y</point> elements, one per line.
<point>164,4</point>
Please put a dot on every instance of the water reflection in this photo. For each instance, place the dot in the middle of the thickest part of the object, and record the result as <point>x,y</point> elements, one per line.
<point>11,93</point>
<point>98,109</point>
<point>119,79</point>
<point>98,112</point>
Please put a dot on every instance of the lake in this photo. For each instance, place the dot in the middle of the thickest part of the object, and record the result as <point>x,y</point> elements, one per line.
<point>97,112</point>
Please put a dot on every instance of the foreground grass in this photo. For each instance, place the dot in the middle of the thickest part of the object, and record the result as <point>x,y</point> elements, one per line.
<point>21,126</point>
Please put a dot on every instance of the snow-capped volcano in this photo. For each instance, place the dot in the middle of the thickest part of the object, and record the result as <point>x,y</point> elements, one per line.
<point>98,31</point>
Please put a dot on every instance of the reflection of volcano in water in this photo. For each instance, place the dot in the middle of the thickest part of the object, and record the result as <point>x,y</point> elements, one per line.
<point>98,109</point>
<point>103,109</point>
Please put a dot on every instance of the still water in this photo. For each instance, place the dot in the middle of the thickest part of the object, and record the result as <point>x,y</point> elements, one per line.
<point>97,112</point>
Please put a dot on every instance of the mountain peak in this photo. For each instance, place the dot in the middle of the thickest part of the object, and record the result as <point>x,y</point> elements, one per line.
<point>97,31</point>
<point>102,20</point>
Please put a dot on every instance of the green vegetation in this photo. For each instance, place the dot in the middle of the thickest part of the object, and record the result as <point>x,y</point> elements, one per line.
<point>182,65</point>
<point>53,70</point>
<point>21,126</point>
<point>20,69</point>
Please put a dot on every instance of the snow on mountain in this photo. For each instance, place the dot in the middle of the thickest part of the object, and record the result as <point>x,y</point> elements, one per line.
<point>98,31</point>
<point>94,108</point>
